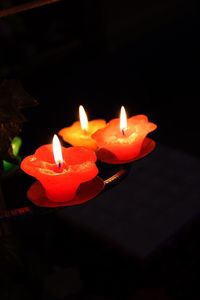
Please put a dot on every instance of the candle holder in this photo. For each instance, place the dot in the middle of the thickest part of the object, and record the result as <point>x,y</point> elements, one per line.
<point>109,176</point>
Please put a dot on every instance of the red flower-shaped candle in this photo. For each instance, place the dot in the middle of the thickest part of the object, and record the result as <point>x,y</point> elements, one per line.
<point>80,132</point>
<point>124,140</point>
<point>60,170</point>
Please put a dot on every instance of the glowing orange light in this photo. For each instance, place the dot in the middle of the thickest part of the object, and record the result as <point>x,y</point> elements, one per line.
<point>83,118</point>
<point>57,151</point>
<point>123,120</point>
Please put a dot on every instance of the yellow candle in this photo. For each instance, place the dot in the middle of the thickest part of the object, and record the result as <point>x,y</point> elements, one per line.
<point>80,132</point>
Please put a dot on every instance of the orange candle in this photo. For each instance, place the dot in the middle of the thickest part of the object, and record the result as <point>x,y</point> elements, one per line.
<point>80,132</point>
<point>60,170</point>
<point>122,139</point>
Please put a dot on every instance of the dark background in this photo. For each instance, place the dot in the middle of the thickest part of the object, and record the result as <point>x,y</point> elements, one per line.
<point>102,54</point>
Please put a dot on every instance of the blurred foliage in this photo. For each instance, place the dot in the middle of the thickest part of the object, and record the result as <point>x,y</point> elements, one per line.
<point>13,98</point>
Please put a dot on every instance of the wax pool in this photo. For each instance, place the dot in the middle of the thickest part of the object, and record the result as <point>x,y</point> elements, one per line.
<point>125,143</point>
<point>61,180</point>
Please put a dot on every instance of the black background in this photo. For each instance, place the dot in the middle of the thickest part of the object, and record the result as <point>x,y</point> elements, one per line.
<point>143,55</point>
<point>103,54</point>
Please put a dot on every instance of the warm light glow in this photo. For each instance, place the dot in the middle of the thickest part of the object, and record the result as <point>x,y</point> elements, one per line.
<point>57,151</point>
<point>123,120</point>
<point>83,118</point>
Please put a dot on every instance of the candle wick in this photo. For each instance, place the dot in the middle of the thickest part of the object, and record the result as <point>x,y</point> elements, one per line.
<point>59,165</point>
<point>123,131</point>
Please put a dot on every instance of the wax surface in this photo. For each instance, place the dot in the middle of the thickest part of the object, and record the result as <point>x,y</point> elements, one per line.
<point>75,136</point>
<point>61,184</point>
<point>125,146</point>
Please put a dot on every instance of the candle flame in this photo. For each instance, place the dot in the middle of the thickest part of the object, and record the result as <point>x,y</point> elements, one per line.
<point>83,118</point>
<point>57,151</point>
<point>123,120</point>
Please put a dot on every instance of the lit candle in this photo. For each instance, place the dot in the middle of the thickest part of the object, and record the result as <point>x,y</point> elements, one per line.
<point>15,145</point>
<point>60,170</point>
<point>122,140</point>
<point>80,132</point>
